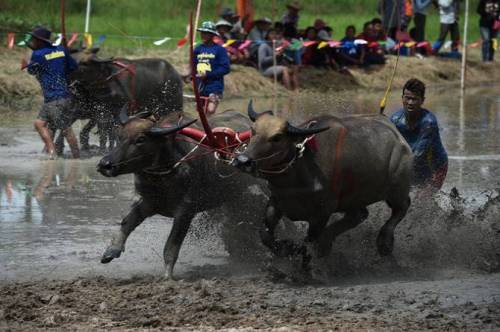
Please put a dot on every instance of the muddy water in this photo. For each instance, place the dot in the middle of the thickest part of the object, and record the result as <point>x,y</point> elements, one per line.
<point>56,216</point>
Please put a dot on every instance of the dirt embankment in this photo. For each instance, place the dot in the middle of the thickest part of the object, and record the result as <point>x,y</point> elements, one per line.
<point>20,91</point>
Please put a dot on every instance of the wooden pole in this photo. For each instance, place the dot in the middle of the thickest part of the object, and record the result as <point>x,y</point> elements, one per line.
<point>63,26</point>
<point>197,16</point>
<point>275,81</point>
<point>464,51</point>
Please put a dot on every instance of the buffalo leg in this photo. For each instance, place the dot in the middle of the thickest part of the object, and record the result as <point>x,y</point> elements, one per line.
<point>85,134</point>
<point>134,218</point>
<point>180,227</point>
<point>102,128</point>
<point>385,238</point>
<point>350,220</point>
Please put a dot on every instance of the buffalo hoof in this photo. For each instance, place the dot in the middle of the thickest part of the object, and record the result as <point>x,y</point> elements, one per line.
<point>110,254</point>
<point>385,243</point>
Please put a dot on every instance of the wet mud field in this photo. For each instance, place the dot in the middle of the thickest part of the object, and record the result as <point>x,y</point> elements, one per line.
<point>56,218</point>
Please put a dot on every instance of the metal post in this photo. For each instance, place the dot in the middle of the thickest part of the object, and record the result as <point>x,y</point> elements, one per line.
<point>464,52</point>
<point>87,17</point>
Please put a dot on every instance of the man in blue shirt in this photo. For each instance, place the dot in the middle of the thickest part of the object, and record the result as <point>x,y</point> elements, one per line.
<point>212,64</point>
<point>51,66</point>
<point>420,129</point>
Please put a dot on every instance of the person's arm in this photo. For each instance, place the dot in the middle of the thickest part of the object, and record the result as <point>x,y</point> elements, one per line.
<point>423,3</point>
<point>222,65</point>
<point>35,64</point>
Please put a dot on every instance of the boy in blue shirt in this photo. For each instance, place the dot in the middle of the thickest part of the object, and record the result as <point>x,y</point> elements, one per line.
<point>420,129</point>
<point>212,64</point>
<point>51,66</point>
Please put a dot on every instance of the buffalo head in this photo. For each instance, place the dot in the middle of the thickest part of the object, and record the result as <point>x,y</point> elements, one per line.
<point>143,143</point>
<point>273,144</point>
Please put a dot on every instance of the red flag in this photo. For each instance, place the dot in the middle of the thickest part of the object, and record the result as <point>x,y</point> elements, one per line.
<point>10,39</point>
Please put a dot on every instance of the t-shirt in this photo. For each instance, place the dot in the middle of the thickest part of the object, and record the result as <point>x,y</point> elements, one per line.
<point>448,10</point>
<point>429,154</point>
<point>213,61</point>
<point>51,65</point>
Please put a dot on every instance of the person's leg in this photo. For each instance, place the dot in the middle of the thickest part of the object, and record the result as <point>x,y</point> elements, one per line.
<point>213,102</point>
<point>43,131</point>
<point>486,45</point>
<point>286,78</point>
<point>419,27</point>
<point>72,142</point>
<point>442,37</point>
<point>294,77</point>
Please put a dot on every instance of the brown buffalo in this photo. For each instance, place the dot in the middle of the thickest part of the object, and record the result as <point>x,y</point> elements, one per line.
<point>174,180</point>
<point>351,163</point>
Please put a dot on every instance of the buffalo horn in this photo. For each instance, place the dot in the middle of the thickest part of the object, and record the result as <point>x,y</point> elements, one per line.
<point>294,131</point>
<point>254,115</point>
<point>156,131</point>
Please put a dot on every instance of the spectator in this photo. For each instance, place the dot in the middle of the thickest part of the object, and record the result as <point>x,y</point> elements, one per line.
<point>390,11</point>
<point>292,14</point>
<point>420,10</point>
<point>378,30</point>
<point>293,52</point>
<point>368,33</point>
<point>224,29</point>
<point>374,55</point>
<point>212,64</point>
<point>266,60</point>
<point>320,27</point>
<point>448,17</point>
<point>258,34</point>
<point>312,55</point>
<point>350,54</point>
<point>489,10</point>
<point>237,31</point>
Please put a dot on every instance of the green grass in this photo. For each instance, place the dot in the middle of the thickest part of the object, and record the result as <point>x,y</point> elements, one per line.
<point>157,19</point>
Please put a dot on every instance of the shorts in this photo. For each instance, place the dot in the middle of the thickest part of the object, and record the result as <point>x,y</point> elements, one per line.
<point>59,114</point>
<point>269,72</point>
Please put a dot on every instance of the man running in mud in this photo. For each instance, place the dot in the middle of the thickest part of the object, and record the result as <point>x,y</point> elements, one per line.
<point>212,64</point>
<point>420,129</point>
<point>51,66</point>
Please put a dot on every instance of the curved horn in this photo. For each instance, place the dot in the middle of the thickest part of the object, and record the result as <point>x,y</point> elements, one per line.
<point>124,115</point>
<point>251,113</point>
<point>294,131</point>
<point>157,131</point>
<point>254,115</point>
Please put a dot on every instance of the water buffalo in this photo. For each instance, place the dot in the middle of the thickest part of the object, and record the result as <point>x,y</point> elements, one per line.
<point>174,180</point>
<point>103,86</point>
<point>354,162</point>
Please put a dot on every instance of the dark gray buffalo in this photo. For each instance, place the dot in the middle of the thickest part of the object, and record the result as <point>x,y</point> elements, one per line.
<point>176,181</point>
<point>103,86</point>
<point>354,162</point>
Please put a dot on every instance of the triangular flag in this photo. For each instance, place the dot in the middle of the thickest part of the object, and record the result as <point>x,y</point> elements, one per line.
<point>309,43</point>
<point>162,41</point>
<point>322,44</point>
<point>245,44</point>
<point>373,45</point>
<point>87,39</point>
<point>182,41</point>
<point>333,43</point>
<point>283,45</point>
<point>229,42</point>
<point>100,40</point>
<point>360,42</point>
<point>410,44</point>
<point>10,39</point>
<point>495,43</point>
<point>72,39</point>
<point>58,40</point>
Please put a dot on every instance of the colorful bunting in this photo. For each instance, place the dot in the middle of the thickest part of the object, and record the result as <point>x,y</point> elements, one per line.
<point>245,44</point>
<point>229,42</point>
<point>72,39</point>
<point>100,40</point>
<point>322,44</point>
<point>87,39</point>
<point>162,41</point>
<point>10,39</point>
<point>58,40</point>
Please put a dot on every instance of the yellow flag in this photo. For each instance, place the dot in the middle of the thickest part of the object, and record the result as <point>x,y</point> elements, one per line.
<point>229,42</point>
<point>410,44</point>
<point>322,44</point>
<point>87,38</point>
<point>495,43</point>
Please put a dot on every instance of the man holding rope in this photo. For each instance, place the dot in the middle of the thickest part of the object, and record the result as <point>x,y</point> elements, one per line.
<point>420,129</point>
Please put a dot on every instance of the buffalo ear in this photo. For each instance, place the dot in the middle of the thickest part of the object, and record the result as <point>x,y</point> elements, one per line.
<point>157,131</point>
<point>295,131</point>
